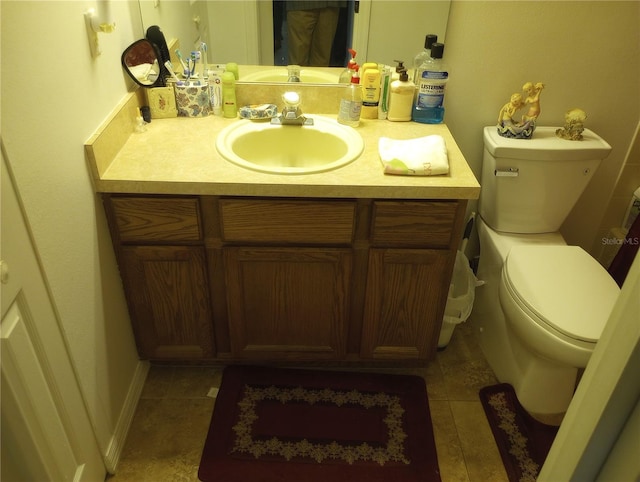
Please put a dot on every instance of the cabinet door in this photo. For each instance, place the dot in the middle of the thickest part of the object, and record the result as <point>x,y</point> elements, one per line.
<point>169,301</point>
<point>288,303</point>
<point>404,303</point>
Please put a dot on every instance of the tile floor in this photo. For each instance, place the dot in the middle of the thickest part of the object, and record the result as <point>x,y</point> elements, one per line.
<point>172,418</point>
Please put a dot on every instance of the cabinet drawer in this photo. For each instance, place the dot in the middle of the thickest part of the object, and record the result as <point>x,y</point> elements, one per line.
<point>287,221</point>
<point>413,223</point>
<point>141,219</point>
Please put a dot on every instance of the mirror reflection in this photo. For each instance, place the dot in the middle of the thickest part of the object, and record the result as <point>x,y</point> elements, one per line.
<point>252,32</point>
<point>140,61</point>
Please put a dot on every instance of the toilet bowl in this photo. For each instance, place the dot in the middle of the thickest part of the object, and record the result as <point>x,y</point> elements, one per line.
<point>544,303</point>
<point>540,314</point>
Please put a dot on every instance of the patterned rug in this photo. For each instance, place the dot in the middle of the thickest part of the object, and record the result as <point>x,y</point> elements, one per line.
<point>287,425</point>
<point>523,441</point>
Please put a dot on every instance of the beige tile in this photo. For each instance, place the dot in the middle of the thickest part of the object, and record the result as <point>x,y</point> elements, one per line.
<point>158,382</point>
<point>450,456</point>
<point>481,454</point>
<point>194,382</point>
<point>165,440</point>
<point>173,416</point>
<point>464,368</point>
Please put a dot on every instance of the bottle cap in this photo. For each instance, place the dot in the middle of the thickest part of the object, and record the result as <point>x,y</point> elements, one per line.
<point>429,40</point>
<point>403,75</point>
<point>437,49</point>
<point>400,67</point>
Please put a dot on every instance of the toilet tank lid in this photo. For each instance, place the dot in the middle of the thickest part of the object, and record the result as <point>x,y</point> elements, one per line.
<point>564,286</point>
<point>544,145</point>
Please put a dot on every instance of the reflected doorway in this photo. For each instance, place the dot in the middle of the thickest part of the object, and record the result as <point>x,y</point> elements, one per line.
<point>342,40</point>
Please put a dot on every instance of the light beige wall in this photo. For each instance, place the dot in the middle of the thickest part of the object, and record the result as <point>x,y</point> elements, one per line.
<point>54,95</point>
<point>588,55</point>
<point>628,182</point>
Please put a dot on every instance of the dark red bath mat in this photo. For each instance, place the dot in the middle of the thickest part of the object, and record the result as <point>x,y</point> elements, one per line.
<point>523,441</point>
<point>272,424</point>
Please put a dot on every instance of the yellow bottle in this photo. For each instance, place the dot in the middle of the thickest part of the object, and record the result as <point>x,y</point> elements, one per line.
<point>370,93</point>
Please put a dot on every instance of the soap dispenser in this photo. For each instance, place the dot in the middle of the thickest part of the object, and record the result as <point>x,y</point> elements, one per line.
<point>401,99</point>
<point>351,102</point>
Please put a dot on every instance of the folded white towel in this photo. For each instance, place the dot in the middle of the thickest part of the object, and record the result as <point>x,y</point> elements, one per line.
<point>423,156</point>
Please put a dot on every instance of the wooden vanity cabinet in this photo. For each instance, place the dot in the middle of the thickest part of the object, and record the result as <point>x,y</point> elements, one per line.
<point>409,262</point>
<point>288,270</point>
<point>285,280</point>
<point>159,246</point>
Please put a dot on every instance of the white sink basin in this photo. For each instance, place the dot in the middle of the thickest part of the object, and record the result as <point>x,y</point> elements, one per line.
<point>281,75</point>
<point>290,149</point>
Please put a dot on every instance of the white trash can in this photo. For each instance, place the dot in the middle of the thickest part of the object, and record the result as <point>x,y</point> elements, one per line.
<point>460,299</point>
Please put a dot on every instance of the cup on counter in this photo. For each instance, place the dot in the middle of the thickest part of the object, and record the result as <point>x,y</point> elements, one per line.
<point>193,99</point>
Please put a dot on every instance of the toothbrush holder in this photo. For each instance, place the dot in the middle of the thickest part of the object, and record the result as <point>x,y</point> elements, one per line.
<point>193,99</point>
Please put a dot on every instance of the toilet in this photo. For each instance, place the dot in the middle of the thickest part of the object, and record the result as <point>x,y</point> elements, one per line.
<point>544,303</point>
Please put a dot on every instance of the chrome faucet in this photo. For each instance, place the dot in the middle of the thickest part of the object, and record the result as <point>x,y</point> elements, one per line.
<point>293,73</point>
<point>291,113</point>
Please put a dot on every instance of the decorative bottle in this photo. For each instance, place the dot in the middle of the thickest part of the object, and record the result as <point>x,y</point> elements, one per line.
<point>432,81</point>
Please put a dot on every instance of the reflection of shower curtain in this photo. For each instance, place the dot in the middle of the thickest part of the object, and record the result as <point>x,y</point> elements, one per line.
<point>622,262</point>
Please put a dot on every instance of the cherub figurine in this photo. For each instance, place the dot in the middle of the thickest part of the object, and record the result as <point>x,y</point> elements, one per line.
<point>573,125</point>
<point>507,127</point>
<point>532,100</point>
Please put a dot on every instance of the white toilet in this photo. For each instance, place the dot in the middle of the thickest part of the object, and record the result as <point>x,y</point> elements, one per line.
<point>544,304</point>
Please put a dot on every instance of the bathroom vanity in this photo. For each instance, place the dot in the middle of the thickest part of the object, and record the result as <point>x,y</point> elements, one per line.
<point>223,264</point>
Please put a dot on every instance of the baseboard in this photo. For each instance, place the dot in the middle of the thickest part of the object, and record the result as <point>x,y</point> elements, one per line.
<point>112,457</point>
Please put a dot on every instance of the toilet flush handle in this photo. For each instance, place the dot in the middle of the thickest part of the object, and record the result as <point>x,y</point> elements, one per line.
<point>506,172</point>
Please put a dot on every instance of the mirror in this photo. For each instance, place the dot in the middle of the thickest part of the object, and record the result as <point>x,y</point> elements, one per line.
<point>140,61</point>
<point>242,31</point>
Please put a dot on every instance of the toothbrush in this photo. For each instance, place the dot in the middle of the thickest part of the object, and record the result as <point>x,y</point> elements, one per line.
<point>203,48</point>
<point>169,67</point>
<point>184,67</point>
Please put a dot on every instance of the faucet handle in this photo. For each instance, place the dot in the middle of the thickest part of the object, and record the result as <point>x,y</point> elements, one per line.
<point>291,100</point>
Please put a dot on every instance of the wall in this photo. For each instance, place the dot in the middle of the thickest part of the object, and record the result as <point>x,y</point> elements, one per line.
<point>493,47</point>
<point>587,54</point>
<point>54,95</point>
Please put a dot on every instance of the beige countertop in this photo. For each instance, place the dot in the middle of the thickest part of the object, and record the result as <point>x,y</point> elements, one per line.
<point>178,156</point>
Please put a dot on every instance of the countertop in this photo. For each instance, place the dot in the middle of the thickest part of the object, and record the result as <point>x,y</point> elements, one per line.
<point>178,156</point>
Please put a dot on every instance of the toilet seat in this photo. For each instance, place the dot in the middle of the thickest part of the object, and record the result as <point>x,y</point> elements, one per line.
<point>562,288</point>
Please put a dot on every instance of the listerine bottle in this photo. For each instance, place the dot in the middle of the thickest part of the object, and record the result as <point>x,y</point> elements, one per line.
<point>424,55</point>
<point>432,81</point>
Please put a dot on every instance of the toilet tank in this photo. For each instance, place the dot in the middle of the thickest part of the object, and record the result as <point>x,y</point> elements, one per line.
<point>531,185</point>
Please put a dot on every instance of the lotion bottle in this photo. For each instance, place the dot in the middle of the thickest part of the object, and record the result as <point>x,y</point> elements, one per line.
<point>229,103</point>
<point>401,100</point>
<point>370,93</point>
<point>351,102</point>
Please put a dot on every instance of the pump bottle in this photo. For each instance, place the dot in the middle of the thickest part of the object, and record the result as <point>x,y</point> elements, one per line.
<point>401,100</point>
<point>345,76</point>
<point>351,102</point>
<point>432,81</point>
